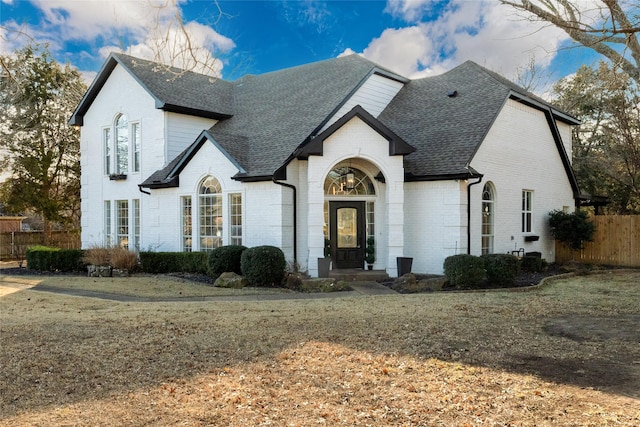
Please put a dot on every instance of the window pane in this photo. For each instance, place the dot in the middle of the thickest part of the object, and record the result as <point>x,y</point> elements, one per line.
<point>122,144</point>
<point>235,208</point>
<point>187,224</point>
<point>347,219</point>
<point>136,224</point>
<point>122,223</point>
<point>135,140</point>
<point>107,223</point>
<point>210,222</point>
<point>107,151</point>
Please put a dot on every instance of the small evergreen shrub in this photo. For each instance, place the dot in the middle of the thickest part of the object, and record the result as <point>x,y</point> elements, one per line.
<point>226,259</point>
<point>45,258</point>
<point>572,229</point>
<point>502,269</point>
<point>465,271</point>
<point>263,265</point>
<point>531,264</point>
<point>174,262</point>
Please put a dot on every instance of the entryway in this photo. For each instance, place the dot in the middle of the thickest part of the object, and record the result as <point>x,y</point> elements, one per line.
<point>347,233</point>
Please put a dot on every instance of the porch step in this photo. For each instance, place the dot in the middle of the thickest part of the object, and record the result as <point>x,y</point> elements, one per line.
<point>358,274</point>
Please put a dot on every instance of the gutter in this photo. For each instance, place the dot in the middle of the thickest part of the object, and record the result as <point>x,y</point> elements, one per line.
<point>469,212</point>
<point>143,191</point>
<point>295,216</point>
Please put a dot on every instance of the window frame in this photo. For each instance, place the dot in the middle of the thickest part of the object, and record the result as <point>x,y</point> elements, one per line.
<point>487,225</point>
<point>113,155</point>
<point>527,211</point>
<point>235,219</point>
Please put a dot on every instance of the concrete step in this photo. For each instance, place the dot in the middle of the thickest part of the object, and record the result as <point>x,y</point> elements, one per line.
<point>358,274</point>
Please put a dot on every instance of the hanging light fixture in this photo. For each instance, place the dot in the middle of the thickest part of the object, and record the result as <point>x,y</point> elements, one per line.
<point>347,179</point>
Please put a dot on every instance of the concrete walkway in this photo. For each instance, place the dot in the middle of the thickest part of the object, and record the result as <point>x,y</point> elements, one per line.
<point>359,289</point>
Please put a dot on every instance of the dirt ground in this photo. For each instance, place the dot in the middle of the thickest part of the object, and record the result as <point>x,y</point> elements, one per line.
<point>565,354</point>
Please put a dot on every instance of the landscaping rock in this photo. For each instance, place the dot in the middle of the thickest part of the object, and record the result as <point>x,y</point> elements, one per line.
<point>231,280</point>
<point>99,271</point>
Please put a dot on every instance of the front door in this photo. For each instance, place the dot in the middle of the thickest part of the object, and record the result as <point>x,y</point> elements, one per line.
<point>347,233</point>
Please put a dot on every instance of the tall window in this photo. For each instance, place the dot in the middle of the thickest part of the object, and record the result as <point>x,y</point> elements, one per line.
<point>108,239</point>
<point>210,214</point>
<point>527,210</point>
<point>487,218</point>
<point>235,217</point>
<point>136,224</point>
<point>135,146</point>
<point>122,144</point>
<point>187,224</point>
<point>106,137</point>
<point>122,223</point>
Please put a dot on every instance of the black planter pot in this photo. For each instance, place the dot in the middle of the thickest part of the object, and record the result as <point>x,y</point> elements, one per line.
<point>404,265</point>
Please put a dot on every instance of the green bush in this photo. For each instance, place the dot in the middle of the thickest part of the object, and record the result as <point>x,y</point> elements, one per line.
<point>573,229</point>
<point>502,269</point>
<point>174,262</point>
<point>263,265</point>
<point>532,264</point>
<point>45,258</point>
<point>226,259</point>
<point>465,271</point>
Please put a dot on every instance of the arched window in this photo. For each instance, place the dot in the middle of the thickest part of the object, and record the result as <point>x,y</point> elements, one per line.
<point>348,181</point>
<point>122,144</point>
<point>488,214</point>
<point>210,214</point>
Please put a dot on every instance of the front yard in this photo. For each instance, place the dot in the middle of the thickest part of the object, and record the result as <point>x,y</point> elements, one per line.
<point>566,354</point>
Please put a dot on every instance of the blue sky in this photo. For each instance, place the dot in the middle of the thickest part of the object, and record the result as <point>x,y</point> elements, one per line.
<point>412,37</point>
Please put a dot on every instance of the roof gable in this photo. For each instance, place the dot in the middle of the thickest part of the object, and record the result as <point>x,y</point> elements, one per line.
<point>455,111</point>
<point>397,147</point>
<point>172,89</point>
<point>169,176</point>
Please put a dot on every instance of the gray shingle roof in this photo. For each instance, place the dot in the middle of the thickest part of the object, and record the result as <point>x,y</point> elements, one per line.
<point>172,89</point>
<point>447,130</point>
<point>277,111</point>
<point>267,118</point>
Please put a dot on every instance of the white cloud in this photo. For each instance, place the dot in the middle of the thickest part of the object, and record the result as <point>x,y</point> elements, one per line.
<point>145,28</point>
<point>486,32</point>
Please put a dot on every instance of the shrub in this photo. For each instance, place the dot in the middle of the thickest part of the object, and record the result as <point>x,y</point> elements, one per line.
<point>226,259</point>
<point>173,262</point>
<point>465,271</point>
<point>502,269</point>
<point>573,229</point>
<point>532,264</point>
<point>97,255</point>
<point>263,265</point>
<point>123,259</point>
<point>45,258</point>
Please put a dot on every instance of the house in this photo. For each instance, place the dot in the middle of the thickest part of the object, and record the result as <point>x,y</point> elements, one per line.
<point>341,149</point>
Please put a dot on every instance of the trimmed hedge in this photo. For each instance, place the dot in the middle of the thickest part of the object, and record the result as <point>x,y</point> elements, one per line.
<point>226,259</point>
<point>532,264</point>
<point>502,269</point>
<point>174,262</point>
<point>45,258</point>
<point>263,265</point>
<point>465,271</point>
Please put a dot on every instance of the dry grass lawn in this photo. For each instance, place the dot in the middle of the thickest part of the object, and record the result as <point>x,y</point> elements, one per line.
<point>566,354</point>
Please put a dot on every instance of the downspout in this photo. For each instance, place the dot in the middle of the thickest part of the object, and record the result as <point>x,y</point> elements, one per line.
<point>295,216</point>
<point>469,212</point>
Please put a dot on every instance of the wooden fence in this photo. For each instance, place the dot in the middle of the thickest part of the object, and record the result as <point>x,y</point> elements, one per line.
<point>615,242</point>
<point>13,245</point>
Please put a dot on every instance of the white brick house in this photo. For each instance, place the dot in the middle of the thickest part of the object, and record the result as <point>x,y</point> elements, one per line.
<point>464,162</point>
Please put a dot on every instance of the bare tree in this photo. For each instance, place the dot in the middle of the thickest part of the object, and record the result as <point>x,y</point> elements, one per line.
<point>612,28</point>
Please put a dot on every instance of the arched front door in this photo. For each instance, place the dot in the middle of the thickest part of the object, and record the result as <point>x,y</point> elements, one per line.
<point>348,233</point>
